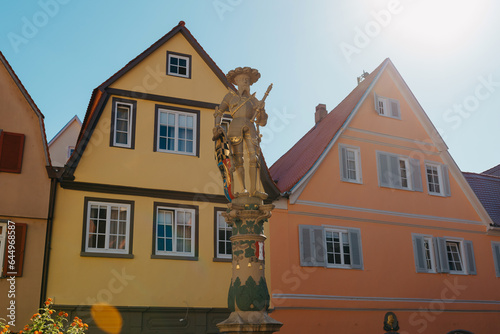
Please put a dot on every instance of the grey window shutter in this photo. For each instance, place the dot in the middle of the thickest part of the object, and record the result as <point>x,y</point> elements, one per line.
<point>343,163</point>
<point>376,102</point>
<point>419,252</point>
<point>442,255</point>
<point>416,176</point>
<point>395,112</point>
<point>319,251</point>
<point>356,250</point>
<point>469,253</point>
<point>388,170</point>
<point>446,180</point>
<point>496,256</point>
<point>305,245</point>
<point>312,246</point>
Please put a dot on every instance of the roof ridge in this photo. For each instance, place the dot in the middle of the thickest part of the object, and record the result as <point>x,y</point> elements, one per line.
<point>483,175</point>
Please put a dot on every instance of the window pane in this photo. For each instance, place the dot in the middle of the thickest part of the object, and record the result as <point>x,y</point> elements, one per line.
<point>163,130</point>
<point>174,60</point>
<point>121,125</point>
<point>182,133</point>
<point>189,146</point>
<point>168,231</point>
<point>122,113</point>
<point>171,145</point>
<point>189,134</point>
<point>171,119</point>
<point>182,62</point>
<point>101,239</point>
<point>163,118</point>
<point>114,227</point>
<point>182,71</point>
<point>121,138</point>
<point>168,245</point>
<point>161,244</point>
<point>163,143</point>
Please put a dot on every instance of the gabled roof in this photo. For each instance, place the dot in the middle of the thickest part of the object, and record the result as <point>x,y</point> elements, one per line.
<point>493,171</point>
<point>100,95</point>
<point>487,189</point>
<point>31,103</point>
<point>74,119</point>
<point>288,170</point>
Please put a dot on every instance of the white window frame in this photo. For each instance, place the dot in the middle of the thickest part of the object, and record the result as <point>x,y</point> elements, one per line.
<point>3,244</point>
<point>343,233</point>
<point>130,108</point>
<point>431,256</point>
<point>383,106</point>
<point>176,138</point>
<point>463,258</point>
<point>107,232</point>
<point>408,172</point>
<point>188,65</point>
<point>176,211</point>
<point>225,228</point>
<point>357,162</point>
<point>439,176</point>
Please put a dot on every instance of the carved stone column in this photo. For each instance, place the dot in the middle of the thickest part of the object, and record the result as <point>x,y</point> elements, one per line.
<point>248,298</point>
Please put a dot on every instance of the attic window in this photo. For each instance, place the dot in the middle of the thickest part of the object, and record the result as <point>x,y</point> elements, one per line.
<point>178,64</point>
<point>387,107</point>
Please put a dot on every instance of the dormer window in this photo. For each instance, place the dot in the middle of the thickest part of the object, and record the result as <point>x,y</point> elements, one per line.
<point>178,65</point>
<point>387,107</point>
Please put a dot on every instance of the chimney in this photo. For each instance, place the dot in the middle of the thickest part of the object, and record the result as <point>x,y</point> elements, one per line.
<point>320,112</point>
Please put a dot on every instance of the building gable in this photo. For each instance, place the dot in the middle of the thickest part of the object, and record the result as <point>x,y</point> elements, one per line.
<point>370,136</point>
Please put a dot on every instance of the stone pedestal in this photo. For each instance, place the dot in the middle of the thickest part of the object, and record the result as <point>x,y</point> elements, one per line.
<point>248,297</point>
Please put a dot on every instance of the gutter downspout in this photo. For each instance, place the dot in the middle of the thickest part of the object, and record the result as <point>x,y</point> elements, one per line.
<point>48,240</point>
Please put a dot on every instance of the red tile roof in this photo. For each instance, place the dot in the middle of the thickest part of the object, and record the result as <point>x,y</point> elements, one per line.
<point>294,164</point>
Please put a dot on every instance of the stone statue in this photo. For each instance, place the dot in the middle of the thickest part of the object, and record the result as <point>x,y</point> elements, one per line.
<point>247,114</point>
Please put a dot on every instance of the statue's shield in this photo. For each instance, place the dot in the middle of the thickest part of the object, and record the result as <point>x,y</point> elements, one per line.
<point>223,157</point>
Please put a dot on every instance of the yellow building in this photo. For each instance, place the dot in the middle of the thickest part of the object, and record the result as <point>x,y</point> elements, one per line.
<point>24,199</point>
<point>137,211</point>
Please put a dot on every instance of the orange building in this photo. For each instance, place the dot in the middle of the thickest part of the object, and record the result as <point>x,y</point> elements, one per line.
<point>24,200</point>
<point>377,217</point>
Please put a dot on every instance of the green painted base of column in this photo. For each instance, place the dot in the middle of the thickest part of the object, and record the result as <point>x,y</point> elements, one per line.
<point>249,322</point>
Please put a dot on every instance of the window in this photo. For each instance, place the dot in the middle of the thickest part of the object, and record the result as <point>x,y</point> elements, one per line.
<point>423,247</point>
<point>12,244</point>
<point>437,179</point>
<point>454,256</point>
<point>444,255</point>
<point>329,246</point>
<point>175,231</point>
<point>223,233</point>
<point>177,131</point>
<point>71,149</point>
<point>495,245</point>
<point>108,227</point>
<point>178,64</point>
<point>350,164</point>
<point>400,172</point>
<point>387,107</point>
<point>11,151</point>
<point>123,123</point>
<point>337,247</point>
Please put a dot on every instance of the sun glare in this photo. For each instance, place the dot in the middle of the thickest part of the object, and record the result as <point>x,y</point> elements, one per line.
<point>442,24</point>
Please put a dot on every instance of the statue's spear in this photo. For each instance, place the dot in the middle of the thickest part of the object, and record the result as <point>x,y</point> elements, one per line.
<point>257,112</point>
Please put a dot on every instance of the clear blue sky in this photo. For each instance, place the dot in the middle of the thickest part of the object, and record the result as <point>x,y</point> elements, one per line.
<point>446,50</point>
